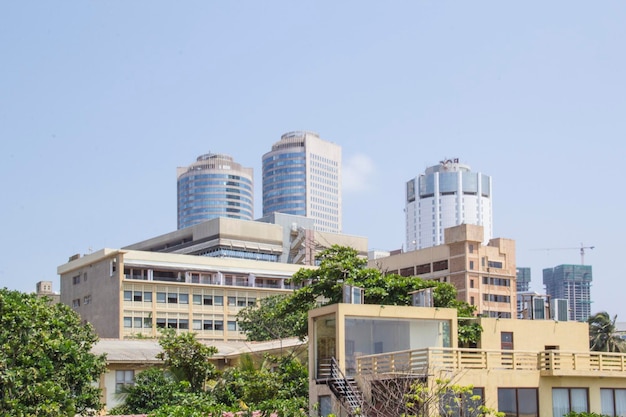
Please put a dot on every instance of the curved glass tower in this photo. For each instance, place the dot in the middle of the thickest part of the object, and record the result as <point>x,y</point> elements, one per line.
<point>302,176</point>
<point>446,195</point>
<point>214,186</point>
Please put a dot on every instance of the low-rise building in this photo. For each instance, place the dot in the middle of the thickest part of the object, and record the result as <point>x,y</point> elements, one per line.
<point>365,358</point>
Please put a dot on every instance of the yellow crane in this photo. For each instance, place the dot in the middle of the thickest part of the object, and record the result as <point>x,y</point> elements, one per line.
<point>581,249</point>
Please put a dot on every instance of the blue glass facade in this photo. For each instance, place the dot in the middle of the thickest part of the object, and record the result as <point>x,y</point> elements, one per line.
<point>284,183</point>
<point>206,191</point>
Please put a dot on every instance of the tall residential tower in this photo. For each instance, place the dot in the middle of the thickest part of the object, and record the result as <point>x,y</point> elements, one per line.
<point>446,195</point>
<point>302,176</point>
<point>214,186</point>
<point>573,283</point>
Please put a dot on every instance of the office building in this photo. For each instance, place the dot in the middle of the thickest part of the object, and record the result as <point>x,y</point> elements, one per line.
<point>446,195</point>
<point>214,186</point>
<point>302,176</point>
<point>483,275</point>
<point>129,293</point>
<point>572,283</point>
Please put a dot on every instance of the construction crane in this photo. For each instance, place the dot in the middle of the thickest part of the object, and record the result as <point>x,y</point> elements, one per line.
<point>581,249</point>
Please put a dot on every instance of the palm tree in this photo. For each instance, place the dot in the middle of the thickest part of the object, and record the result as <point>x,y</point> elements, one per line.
<point>603,335</point>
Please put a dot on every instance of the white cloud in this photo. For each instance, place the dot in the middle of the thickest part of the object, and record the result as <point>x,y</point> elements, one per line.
<point>358,171</point>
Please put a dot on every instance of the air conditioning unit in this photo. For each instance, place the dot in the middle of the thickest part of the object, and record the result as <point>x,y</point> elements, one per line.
<point>559,308</point>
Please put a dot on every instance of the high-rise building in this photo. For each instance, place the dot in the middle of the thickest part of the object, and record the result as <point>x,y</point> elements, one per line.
<point>446,195</point>
<point>522,286</point>
<point>214,186</point>
<point>302,176</point>
<point>573,283</point>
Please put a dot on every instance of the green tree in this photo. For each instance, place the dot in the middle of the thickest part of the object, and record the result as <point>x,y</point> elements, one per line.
<point>603,335</point>
<point>339,265</point>
<point>46,364</point>
<point>187,358</point>
<point>152,389</point>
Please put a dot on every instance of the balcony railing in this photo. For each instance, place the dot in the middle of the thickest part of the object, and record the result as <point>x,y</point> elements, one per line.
<point>549,362</point>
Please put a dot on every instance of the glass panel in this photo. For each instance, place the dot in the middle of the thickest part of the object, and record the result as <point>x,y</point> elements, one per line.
<point>324,343</point>
<point>128,322</point>
<point>579,400</point>
<point>137,322</point>
<point>160,297</point>
<point>560,402</point>
<point>183,298</point>
<point>606,397</point>
<point>147,297</point>
<point>197,299</point>
<point>620,402</point>
<point>527,400</point>
<point>128,295</point>
<point>507,403</point>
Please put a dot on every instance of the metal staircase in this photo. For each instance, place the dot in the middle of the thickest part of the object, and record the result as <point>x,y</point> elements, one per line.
<point>345,390</point>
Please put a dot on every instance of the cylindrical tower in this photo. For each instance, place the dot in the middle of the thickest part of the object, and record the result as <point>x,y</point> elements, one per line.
<point>214,186</point>
<point>446,195</point>
<point>302,176</point>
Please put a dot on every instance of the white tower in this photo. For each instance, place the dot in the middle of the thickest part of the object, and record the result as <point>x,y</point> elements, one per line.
<point>446,195</point>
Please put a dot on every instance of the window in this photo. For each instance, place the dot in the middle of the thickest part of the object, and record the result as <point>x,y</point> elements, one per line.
<point>613,401</point>
<point>128,295</point>
<point>183,324</point>
<point>113,267</point>
<point>160,323</point>
<point>160,297</point>
<point>197,299</point>
<point>565,400</point>
<point>517,402</point>
<point>85,277</point>
<point>471,264</point>
<point>76,302</point>
<point>183,298</point>
<point>506,340</point>
<point>147,322</point>
<point>471,283</point>
<point>219,300</point>
<point>471,248</point>
<point>123,378</point>
<point>137,322</point>
<point>76,280</point>
<point>87,300</point>
<point>147,297</point>
<point>128,322</point>
<point>197,325</point>
<point>208,325</point>
<point>461,405</point>
<point>172,298</point>
<point>137,296</point>
<point>232,301</point>
<point>219,325</point>
<point>232,326</point>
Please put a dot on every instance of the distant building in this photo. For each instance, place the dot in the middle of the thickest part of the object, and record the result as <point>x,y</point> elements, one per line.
<point>214,186</point>
<point>302,176</point>
<point>446,195</point>
<point>522,285</point>
<point>44,289</point>
<point>483,275</point>
<point>573,283</point>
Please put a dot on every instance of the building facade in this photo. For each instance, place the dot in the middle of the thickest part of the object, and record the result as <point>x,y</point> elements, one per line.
<point>483,275</point>
<point>522,285</point>
<point>302,176</point>
<point>446,195</point>
<point>364,359</point>
<point>214,186</point>
<point>131,293</point>
<point>572,283</point>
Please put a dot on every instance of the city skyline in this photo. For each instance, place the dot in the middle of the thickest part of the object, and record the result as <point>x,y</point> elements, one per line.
<point>102,101</point>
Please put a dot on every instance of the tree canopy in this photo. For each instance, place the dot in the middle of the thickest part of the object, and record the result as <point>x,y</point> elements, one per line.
<point>286,315</point>
<point>603,335</point>
<point>46,364</point>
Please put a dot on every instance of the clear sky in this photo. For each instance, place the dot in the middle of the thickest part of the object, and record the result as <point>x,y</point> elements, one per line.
<point>100,101</point>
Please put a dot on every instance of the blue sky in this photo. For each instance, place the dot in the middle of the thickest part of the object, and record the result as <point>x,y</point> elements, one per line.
<point>101,101</point>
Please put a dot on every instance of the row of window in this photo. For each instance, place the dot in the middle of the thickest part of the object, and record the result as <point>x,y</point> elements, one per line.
<point>77,301</point>
<point>183,298</point>
<point>497,298</point>
<point>131,322</point>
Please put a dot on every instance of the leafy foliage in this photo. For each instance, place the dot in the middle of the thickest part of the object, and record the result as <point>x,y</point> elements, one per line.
<point>46,364</point>
<point>603,335</point>
<point>338,265</point>
<point>187,358</point>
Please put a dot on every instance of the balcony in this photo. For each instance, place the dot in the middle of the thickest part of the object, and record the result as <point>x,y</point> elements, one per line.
<point>548,363</point>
